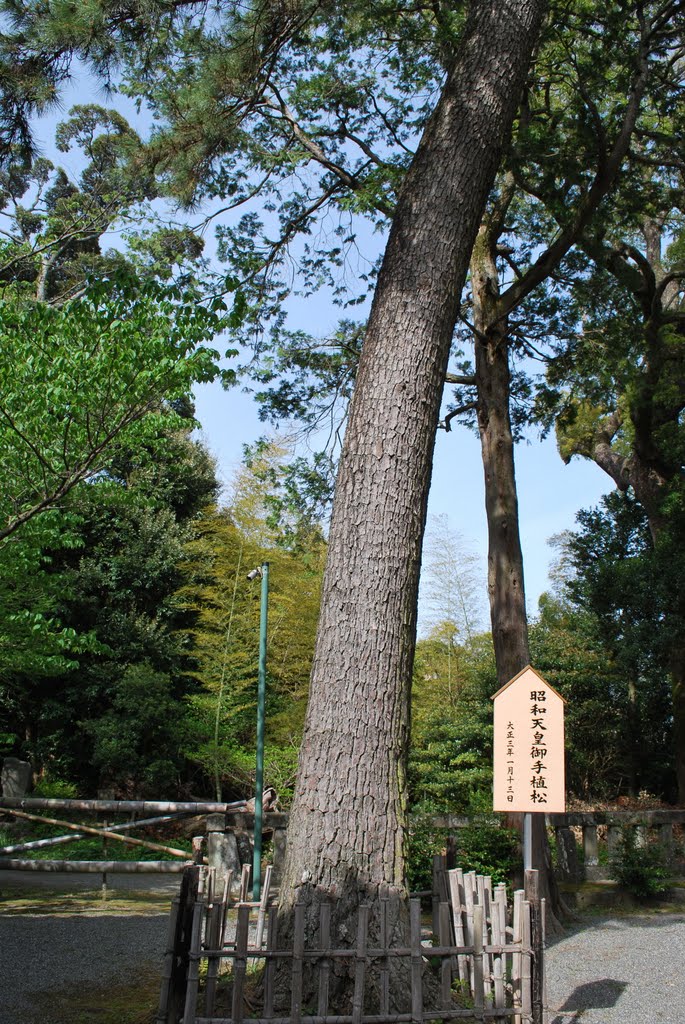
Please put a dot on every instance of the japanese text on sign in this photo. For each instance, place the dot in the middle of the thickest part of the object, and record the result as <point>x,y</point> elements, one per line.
<point>529,746</point>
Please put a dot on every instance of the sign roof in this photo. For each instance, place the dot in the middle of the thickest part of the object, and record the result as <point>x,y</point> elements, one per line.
<point>524,671</point>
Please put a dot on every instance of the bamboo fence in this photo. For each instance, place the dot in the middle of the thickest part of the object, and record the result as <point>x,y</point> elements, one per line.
<point>483,960</point>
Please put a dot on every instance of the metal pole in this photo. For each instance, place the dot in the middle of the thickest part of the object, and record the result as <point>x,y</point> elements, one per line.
<point>261,706</point>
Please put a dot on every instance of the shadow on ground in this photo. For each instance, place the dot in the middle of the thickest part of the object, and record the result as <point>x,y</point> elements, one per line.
<point>594,995</point>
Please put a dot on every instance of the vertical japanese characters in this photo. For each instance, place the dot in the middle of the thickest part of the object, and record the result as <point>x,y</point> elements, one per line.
<point>538,750</point>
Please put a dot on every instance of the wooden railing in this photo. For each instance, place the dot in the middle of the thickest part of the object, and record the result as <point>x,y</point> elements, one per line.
<point>483,962</point>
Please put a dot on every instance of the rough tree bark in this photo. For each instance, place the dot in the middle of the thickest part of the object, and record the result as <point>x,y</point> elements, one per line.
<point>346,832</point>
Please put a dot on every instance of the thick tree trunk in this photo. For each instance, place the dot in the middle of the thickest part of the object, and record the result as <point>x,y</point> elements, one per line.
<point>346,832</point>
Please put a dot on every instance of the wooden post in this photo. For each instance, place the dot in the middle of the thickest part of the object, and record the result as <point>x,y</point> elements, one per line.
<point>498,939</point>
<point>532,889</point>
<point>239,963</point>
<point>270,971</point>
<point>445,939</point>
<point>325,965</point>
<point>416,962</point>
<point>262,907</point>
<point>456,879</point>
<point>298,964</point>
<point>213,932</point>
<point>360,964</point>
<point>526,963</point>
<point>517,958</point>
<point>193,972</point>
<point>384,967</point>
<point>173,994</point>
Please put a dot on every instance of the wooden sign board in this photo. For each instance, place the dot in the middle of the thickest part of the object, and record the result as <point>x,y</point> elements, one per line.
<point>528,747</point>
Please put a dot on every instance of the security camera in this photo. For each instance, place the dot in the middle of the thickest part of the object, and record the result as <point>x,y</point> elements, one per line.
<point>254,574</point>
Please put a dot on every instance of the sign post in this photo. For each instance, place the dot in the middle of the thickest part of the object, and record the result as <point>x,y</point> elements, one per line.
<point>528,769</point>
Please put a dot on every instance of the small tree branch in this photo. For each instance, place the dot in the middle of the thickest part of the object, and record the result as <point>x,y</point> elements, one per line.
<point>468,407</point>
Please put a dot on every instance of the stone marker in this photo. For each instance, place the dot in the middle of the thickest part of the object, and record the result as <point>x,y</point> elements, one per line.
<point>222,850</point>
<point>16,777</point>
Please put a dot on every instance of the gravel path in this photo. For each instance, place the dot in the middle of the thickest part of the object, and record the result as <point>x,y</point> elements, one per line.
<point>619,970</point>
<point>43,954</point>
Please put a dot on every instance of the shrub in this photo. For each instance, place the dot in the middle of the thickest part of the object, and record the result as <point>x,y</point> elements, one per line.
<point>54,789</point>
<point>640,870</point>
<point>425,840</point>
<point>488,849</point>
<point>484,847</point>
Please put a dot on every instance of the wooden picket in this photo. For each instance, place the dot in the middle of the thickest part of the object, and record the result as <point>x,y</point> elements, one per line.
<point>481,957</point>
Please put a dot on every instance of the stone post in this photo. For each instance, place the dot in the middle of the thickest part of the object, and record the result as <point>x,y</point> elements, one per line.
<point>16,777</point>
<point>222,850</point>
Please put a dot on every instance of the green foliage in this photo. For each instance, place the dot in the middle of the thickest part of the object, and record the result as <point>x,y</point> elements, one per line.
<point>640,870</point>
<point>136,742</point>
<point>484,847</point>
<point>111,591</point>
<point>222,711</point>
<point>84,382</point>
<point>56,223</point>
<point>52,788</point>
<point>488,849</point>
<point>450,759</point>
<point>605,644</point>
<point>423,842</point>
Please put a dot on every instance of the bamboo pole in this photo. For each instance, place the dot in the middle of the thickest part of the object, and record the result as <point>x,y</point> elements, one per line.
<point>39,844</point>
<point>103,833</point>
<point>57,840</point>
<point>517,958</point>
<point>169,957</point>
<point>124,806</point>
<point>384,967</point>
<point>526,958</point>
<point>213,914</point>
<point>456,879</point>
<point>263,903</point>
<point>270,970</point>
<point>498,939</point>
<point>478,981</point>
<point>445,939</point>
<point>97,867</point>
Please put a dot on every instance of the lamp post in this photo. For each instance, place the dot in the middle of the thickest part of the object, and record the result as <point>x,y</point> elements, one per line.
<point>263,572</point>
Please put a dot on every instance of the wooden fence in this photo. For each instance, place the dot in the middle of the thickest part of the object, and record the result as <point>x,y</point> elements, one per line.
<point>482,961</point>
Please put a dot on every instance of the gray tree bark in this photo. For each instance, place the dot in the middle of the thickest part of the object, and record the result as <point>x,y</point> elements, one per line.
<point>346,832</point>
